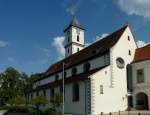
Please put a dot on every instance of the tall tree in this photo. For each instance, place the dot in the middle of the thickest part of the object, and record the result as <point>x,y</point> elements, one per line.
<point>12,84</point>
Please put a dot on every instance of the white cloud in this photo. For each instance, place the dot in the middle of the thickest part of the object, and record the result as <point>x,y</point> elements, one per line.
<point>71,7</point>
<point>3,44</point>
<point>141,43</point>
<point>102,36</point>
<point>58,43</point>
<point>135,7</point>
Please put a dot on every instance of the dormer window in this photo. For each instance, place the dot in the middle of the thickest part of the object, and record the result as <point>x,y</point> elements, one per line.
<point>78,38</point>
<point>86,67</point>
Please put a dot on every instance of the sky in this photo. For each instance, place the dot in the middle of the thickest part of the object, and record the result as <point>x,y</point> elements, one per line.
<point>31,31</point>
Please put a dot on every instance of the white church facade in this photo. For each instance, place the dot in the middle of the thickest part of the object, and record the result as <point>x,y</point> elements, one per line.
<point>98,78</point>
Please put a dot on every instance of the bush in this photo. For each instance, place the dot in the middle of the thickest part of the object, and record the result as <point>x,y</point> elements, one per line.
<point>39,101</point>
<point>17,101</point>
<point>17,109</point>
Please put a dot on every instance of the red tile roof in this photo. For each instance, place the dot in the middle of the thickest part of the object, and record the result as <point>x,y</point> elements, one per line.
<point>97,48</point>
<point>142,54</point>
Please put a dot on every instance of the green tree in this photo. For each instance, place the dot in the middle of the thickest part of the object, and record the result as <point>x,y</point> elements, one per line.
<point>57,101</point>
<point>17,101</point>
<point>39,101</point>
<point>12,84</point>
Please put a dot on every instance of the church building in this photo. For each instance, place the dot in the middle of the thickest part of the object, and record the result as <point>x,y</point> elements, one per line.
<point>97,77</point>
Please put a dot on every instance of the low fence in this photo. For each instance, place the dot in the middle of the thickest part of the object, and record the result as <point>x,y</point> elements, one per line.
<point>128,113</point>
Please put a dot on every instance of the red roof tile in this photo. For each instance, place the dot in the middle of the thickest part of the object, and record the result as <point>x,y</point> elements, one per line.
<point>97,48</point>
<point>142,54</point>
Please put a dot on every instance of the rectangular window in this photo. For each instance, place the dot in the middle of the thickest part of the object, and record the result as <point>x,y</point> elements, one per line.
<point>101,89</point>
<point>140,76</point>
<point>78,38</point>
<point>77,49</point>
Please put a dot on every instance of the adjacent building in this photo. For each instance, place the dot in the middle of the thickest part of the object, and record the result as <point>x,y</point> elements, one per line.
<point>141,78</point>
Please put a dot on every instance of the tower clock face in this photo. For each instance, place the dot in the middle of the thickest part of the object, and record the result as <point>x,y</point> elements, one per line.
<point>78,31</point>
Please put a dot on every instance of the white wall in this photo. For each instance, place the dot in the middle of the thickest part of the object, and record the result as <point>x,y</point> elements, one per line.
<point>115,81</point>
<point>95,63</point>
<point>75,107</point>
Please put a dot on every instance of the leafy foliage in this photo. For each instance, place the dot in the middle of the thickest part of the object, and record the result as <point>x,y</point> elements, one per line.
<point>14,84</point>
<point>39,101</point>
<point>17,101</point>
<point>57,101</point>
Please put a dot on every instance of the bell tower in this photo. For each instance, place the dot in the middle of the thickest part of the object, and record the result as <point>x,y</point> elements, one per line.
<point>74,37</point>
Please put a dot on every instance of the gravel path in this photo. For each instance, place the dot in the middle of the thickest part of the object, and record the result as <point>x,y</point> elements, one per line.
<point>2,112</point>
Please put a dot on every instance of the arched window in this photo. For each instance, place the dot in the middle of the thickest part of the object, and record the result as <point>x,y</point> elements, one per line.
<point>86,67</point>
<point>56,77</point>
<point>52,94</point>
<point>78,49</point>
<point>75,93</point>
<point>74,71</point>
<point>129,52</point>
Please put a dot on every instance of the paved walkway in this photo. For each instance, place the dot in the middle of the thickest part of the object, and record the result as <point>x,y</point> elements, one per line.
<point>2,112</point>
<point>130,113</point>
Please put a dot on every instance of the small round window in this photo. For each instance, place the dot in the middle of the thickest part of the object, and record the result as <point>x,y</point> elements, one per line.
<point>120,63</point>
